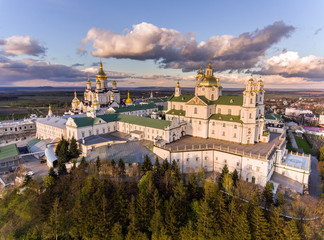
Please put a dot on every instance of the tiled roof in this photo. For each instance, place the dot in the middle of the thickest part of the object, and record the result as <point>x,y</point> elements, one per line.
<point>8,151</point>
<point>177,112</point>
<point>228,117</point>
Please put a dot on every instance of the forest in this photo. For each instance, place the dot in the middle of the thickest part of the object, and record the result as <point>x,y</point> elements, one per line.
<point>98,201</point>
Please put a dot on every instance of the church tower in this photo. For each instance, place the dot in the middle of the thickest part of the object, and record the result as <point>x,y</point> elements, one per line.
<point>88,83</point>
<point>177,91</point>
<point>102,77</point>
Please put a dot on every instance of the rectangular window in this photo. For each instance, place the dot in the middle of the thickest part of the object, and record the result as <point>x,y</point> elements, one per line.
<point>219,111</point>
<point>213,132</point>
<point>224,125</point>
<point>234,135</point>
<point>199,122</point>
<point>197,159</point>
<point>82,134</point>
<point>223,134</point>
<point>229,111</point>
<point>258,169</point>
<point>237,164</point>
<point>97,131</point>
<point>235,126</point>
<point>103,130</point>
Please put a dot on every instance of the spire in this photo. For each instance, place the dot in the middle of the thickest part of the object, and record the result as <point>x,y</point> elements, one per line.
<point>201,70</point>
<point>209,65</point>
<point>128,100</point>
<point>100,63</point>
<point>50,113</point>
<point>89,78</point>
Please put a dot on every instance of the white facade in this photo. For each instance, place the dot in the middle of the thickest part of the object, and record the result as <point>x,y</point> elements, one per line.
<point>291,111</point>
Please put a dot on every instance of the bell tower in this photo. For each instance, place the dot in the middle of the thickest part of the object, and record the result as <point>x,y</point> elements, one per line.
<point>177,90</point>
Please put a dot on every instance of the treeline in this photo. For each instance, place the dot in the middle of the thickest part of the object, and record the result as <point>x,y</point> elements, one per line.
<point>86,204</point>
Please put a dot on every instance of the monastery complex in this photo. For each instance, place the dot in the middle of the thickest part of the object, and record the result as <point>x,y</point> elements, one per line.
<point>205,130</point>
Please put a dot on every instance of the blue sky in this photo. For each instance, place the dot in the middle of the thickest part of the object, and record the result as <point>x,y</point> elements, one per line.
<point>280,40</point>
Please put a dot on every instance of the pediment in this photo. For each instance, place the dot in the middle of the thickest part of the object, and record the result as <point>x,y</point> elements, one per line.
<point>196,101</point>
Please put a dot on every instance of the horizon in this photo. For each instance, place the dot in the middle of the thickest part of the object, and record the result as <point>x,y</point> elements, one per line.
<point>60,45</point>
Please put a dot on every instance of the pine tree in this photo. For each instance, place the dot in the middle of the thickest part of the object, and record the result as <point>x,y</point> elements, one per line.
<point>121,167</point>
<point>116,232</point>
<point>291,231</point>
<point>235,177</point>
<point>157,228</point>
<point>62,169</point>
<point>176,174</point>
<point>147,164</point>
<point>98,164</point>
<point>242,230</point>
<point>73,148</point>
<point>227,183</point>
<point>280,199</point>
<point>258,224</point>
<point>268,195</point>
<point>276,224</point>
<point>321,153</point>
<point>165,167</point>
<point>224,171</point>
<point>83,163</point>
<point>189,231</point>
<point>55,222</point>
<point>206,222</point>
<point>113,166</point>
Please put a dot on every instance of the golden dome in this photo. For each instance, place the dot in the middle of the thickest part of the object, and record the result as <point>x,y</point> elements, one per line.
<point>114,82</point>
<point>251,79</point>
<point>101,74</point>
<point>128,100</point>
<point>209,81</point>
<point>75,99</point>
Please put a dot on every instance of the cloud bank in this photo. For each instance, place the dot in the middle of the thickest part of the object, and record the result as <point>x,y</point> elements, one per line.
<point>172,49</point>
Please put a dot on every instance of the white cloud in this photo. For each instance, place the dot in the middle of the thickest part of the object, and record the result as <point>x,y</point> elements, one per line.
<point>22,45</point>
<point>290,64</point>
<point>172,49</point>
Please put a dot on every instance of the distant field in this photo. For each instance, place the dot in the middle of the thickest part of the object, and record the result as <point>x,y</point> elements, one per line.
<point>20,102</point>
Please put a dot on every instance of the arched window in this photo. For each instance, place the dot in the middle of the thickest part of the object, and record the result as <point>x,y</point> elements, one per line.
<point>251,101</point>
<point>212,97</point>
<point>195,110</point>
<point>250,115</point>
<point>253,179</point>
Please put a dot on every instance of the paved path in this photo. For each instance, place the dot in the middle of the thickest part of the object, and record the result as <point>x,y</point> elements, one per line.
<point>315,179</point>
<point>292,139</point>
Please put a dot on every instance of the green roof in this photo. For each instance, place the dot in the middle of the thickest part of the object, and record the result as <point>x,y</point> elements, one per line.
<point>177,112</point>
<point>230,100</point>
<point>146,122</point>
<point>32,142</point>
<point>165,108</point>
<point>228,118</point>
<point>113,117</point>
<point>135,108</point>
<point>222,100</point>
<point>156,100</point>
<point>273,116</point>
<point>181,98</point>
<point>85,121</point>
<point>8,151</point>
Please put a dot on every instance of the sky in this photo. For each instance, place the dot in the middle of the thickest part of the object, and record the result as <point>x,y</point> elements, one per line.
<point>155,43</point>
